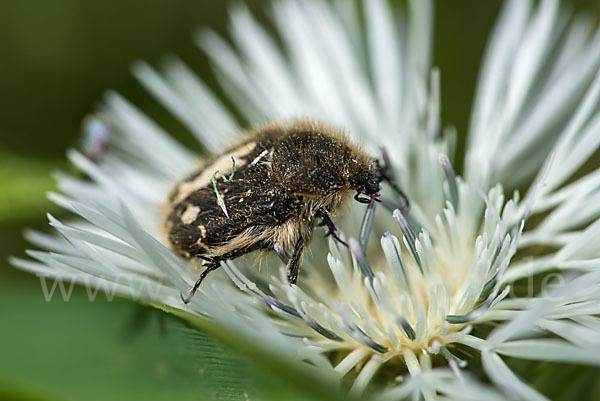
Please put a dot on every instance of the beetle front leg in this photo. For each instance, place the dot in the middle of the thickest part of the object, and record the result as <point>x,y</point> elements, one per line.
<point>385,172</point>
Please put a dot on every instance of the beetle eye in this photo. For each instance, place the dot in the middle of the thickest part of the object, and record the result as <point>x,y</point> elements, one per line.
<point>373,187</point>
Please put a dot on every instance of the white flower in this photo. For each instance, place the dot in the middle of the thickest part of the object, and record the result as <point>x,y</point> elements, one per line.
<point>430,275</point>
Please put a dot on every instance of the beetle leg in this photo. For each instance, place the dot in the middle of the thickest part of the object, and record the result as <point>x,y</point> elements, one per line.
<point>331,229</point>
<point>361,199</point>
<point>294,262</point>
<point>385,173</point>
<point>213,264</point>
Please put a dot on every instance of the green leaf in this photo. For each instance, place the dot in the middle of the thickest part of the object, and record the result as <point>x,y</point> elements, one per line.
<point>79,349</point>
<point>275,374</point>
<point>25,182</point>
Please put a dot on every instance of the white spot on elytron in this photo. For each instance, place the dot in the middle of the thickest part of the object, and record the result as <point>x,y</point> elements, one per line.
<point>202,230</point>
<point>190,214</point>
<point>263,154</point>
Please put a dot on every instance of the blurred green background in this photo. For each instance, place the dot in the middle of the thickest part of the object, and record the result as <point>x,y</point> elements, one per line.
<point>57,59</point>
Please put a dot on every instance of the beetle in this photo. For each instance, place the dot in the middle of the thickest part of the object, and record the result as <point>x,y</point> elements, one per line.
<point>284,180</point>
